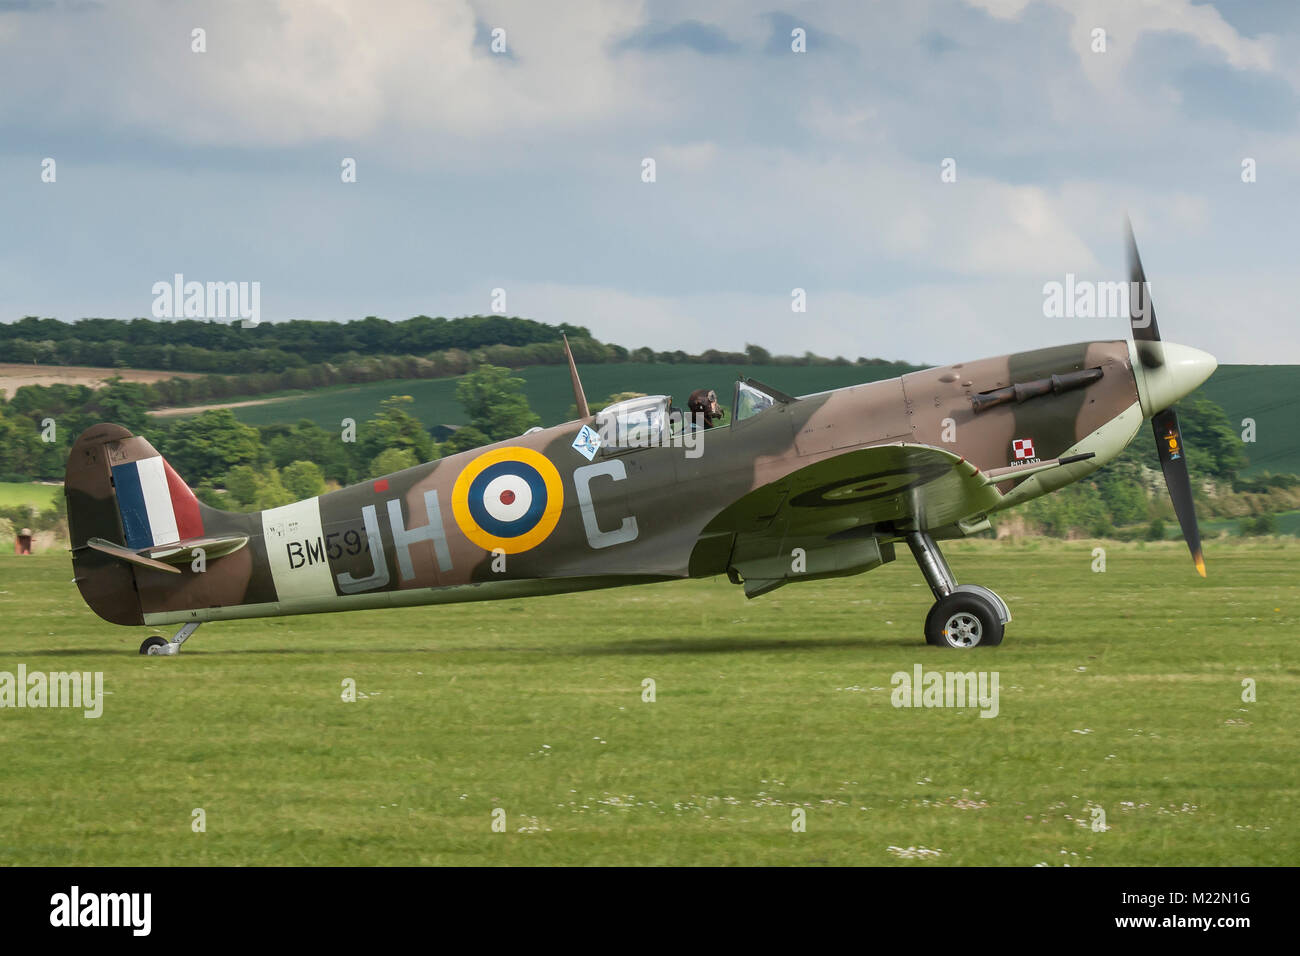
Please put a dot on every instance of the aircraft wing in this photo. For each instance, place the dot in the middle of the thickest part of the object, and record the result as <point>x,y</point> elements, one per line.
<point>835,516</point>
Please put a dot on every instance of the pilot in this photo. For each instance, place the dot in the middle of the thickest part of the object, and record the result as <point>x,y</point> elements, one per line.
<point>703,408</point>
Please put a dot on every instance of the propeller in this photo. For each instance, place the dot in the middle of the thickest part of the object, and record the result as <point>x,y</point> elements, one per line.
<point>1169,445</point>
<point>1164,423</point>
<point>1142,314</point>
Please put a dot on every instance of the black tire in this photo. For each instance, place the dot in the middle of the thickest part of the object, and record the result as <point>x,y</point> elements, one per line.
<point>149,642</point>
<point>976,623</point>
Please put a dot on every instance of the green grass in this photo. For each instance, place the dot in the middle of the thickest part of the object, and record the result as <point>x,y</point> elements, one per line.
<point>13,493</point>
<point>1120,690</point>
<point>550,392</point>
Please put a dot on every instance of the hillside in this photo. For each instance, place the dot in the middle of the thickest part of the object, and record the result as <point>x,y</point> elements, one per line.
<point>550,393</point>
<point>1270,394</point>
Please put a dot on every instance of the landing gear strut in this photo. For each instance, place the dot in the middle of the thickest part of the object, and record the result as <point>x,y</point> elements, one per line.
<point>156,646</point>
<point>963,615</point>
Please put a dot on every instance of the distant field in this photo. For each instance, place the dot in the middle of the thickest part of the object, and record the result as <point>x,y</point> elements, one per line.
<point>196,409</point>
<point>1119,692</point>
<point>14,376</point>
<point>1288,522</point>
<point>550,393</point>
<point>1270,394</point>
<point>28,493</point>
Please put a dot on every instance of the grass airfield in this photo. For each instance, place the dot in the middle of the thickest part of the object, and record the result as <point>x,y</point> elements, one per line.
<point>30,493</point>
<point>1120,690</point>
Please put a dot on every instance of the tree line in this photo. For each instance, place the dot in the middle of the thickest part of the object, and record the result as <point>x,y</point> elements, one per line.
<point>190,345</point>
<point>422,346</point>
<point>241,467</point>
<point>306,355</point>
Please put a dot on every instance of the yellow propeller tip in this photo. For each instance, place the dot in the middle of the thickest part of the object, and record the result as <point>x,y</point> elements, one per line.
<point>1200,565</point>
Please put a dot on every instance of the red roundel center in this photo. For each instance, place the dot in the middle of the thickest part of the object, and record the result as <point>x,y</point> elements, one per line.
<point>507,497</point>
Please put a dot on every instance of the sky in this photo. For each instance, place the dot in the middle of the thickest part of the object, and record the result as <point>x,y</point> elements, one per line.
<point>523,168</point>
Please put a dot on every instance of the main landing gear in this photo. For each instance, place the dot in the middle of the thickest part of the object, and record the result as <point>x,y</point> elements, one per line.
<point>964,615</point>
<point>156,646</point>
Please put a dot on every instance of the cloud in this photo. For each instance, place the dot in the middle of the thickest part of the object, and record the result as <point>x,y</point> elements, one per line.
<point>817,40</point>
<point>485,35</point>
<point>282,74</point>
<point>938,44</point>
<point>687,35</point>
<point>1246,98</point>
<point>1125,22</point>
<point>775,170</point>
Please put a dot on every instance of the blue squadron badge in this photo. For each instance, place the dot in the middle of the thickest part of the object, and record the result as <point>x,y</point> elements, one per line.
<point>587,443</point>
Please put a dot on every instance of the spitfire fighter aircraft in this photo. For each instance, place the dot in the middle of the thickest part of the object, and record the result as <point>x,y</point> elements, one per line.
<point>787,489</point>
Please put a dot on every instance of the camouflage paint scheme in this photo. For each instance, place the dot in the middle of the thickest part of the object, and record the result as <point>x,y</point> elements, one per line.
<point>841,474</point>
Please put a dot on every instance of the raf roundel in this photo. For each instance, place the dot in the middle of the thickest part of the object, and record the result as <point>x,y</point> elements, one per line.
<point>508,499</point>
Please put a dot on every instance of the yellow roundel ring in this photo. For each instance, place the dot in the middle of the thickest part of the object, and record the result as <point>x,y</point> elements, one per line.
<point>508,499</point>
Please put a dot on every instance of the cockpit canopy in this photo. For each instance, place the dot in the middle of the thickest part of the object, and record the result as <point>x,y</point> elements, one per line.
<point>650,420</point>
<point>750,401</point>
<point>634,422</point>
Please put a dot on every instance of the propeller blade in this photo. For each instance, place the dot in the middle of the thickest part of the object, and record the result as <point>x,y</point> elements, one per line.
<point>1142,313</point>
<point>1173,462</point>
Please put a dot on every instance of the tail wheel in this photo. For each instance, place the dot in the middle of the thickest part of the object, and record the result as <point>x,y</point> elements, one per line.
<point>151,642</point>
<point>963,620</point>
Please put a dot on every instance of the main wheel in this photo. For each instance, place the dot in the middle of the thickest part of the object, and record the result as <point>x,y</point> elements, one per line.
<point>963,620</point>
<point>149,642</point>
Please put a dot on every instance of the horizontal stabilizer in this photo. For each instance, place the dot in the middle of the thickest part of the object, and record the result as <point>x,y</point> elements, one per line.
<point>126,554</point>
<point>180,552</point>
<point>164,557</point>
